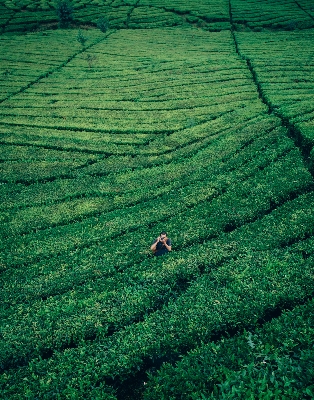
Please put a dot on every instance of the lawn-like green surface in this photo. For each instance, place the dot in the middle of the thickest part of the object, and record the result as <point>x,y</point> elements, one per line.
<point>196,119</point>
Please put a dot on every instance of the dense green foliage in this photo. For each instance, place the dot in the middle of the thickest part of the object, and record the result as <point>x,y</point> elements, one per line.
<point>194,118</point>
<point>288,90</point>
<point>276,361</point>
<point>64,9</point>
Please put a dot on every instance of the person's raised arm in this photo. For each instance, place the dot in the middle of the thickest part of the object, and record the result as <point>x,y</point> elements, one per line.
<point>168,247</point>
<point>154,245</point>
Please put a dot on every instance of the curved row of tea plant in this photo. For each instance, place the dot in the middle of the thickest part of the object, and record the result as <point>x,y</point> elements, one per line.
<point>246,162</point>
<point>182,123</point>
<point>276,360</point>
<point>32,15</point>
<point>93,229</point>
<point>86,309</point>
<point>219,298</point>
<point>62,85</point>
<point>46,52</point>
<point>210,15</point>
<point>237,160</point>
<point>286,82</point>
<point>57,191</point>
<point>5,16</point>
<point>86,195</point>
<point>273,14</point>
<point>209,228</point>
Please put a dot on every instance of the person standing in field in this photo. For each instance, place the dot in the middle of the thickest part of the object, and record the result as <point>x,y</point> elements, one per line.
<point>161,245</point>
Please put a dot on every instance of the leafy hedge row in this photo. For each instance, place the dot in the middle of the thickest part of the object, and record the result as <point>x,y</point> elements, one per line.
<point>163,144</point>
<point>5,16</point>
<point>31,171</point>
<point>152,17</point>
<point>32,15</point>
<point>82,140</point>
<point>119,122</point>
<point>287,92</point>
<point>216,219</point>
<point>96,103</point>
<point>149,14</point>
<point>74,210</point>
<point>117,16</point>
<point>28,20</point>
<point>181,202</point>
<point>275,361</point>
<point>193,75</point>
<point>209,10</point>
<point>236,152</point>
<point>180,142</point>
<point>236,295</point>
<point>283,14</point>
<point>50,4</point>
<point>116,122</point>
<point>21,196</point>
<point>100,259</point>
<point>144,15</point>
<point>29,153</point>
<point>40,59</point>
<point>94,229</point>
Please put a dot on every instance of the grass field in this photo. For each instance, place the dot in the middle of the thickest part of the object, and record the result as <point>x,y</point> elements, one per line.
<point>196,119</point>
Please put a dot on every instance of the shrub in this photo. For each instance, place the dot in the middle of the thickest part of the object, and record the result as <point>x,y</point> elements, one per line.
<point>90,60</point>
<point>81,38</point>
<point>64,11</point>
<point>103,24</point>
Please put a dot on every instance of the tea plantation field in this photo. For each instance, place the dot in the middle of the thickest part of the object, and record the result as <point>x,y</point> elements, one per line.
<point>192,117</point>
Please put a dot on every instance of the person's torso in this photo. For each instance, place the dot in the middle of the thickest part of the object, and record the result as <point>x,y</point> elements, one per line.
<point>161,248</point>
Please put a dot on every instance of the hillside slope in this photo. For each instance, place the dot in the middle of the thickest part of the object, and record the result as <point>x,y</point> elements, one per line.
<point>197,120</point>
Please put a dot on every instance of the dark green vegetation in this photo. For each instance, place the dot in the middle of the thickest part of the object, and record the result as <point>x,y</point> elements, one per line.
<point>197,119</point>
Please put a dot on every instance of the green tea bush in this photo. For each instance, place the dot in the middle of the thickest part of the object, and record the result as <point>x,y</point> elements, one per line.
<point>287,92</point>
<point>275,229</point>
<point>275,361</point>
<point>81,38</point>
<point>249,286</point>
<point>103,24</point>
<point>64,10</point>
<point>96,160</point>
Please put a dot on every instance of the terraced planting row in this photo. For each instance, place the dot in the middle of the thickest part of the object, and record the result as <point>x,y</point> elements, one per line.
<point>273,14</point>
<point>45,53</point>
<point>149,113</point>
<point>116,14</point>
<point>88,181</point>
<point>211,15</point>
<point>5,16</point>
<point>276,359</point>
<point>307,7</point>
<point>37,16</point>
<point>123,140</point>
<point>153,17</point>
<point>107,196</point>
<point>286,81</point>
<point>33,15</point>
<point>87,326</point>
<point>276,148</point>
<point>40,218</point>
<point>223,300</point>
<point>50,4</point>
<point>23,316</point>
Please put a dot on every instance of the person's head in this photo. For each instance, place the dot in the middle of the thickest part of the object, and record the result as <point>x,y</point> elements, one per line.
<point>163,235</point>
